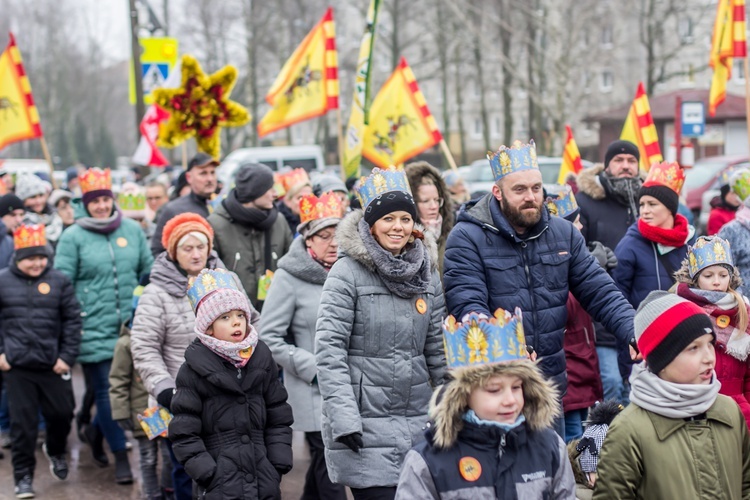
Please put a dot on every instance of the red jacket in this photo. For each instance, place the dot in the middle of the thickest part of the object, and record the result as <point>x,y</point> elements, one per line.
<point>582,363</point>
<point>717,218</point>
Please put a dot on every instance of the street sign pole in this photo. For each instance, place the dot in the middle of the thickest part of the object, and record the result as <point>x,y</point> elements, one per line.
<point>678,129</point>
<point>140,108</point>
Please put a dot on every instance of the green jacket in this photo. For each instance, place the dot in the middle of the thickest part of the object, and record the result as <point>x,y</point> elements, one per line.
<point>104,269</point>
<point>649,456</point>
<point>127,395</point>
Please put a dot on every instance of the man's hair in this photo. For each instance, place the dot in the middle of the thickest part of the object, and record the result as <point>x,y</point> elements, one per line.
<point>157,184</point>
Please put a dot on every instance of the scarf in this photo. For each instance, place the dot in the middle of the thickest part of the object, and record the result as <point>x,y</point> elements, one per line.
<point>668,399</point>
<point>406,275</point>
<point>101,226</point>
<point>623,190</point>
<point>675,237</point>
<point>435,227</point>
<point>325,265</point>
<point>254,218</point>
<point>237,353</point>
<point>471,417</point>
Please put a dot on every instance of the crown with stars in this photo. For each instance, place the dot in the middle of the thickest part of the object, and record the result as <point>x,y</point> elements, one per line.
<point>565,203</point>
<point>208,281</point>
<point>668,174</point>
<point>131,201</point>
<point>740,183</point>
<point>725,179</point>
<point>481,341</point>
<point>515,158</point>
<point>293,178</point>
<point>709,251</point>
<point>95,179</point>
<point>382,181</point>
<point>327,205</point>
<point>29,236</point>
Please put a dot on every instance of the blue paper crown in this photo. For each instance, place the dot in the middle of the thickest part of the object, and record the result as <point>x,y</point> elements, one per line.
<point>481,341</point>
<point>382,181</point>
<point>209,280</point>
<point>512,159</point>
<point>708,251</point>
<point>725,179</point>
<point>565,203</point>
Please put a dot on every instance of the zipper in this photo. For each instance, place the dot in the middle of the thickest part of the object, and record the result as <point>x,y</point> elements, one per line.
<point>239,373</point>
<point>114,276</point>
<point>531,292</point>
<point>586,333</point>
<point>237,258</point>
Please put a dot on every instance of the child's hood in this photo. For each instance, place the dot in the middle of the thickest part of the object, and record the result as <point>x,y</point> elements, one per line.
<point>450,402</point>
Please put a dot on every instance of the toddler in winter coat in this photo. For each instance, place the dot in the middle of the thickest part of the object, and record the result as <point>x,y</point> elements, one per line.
<point>232,425</point>
<point>678,438</point>
<point>491,434</point>
<point>709,279</point>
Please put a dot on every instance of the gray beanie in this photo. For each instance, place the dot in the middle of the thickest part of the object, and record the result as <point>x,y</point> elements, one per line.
<point>252,181</point>
<point>328,182</point>
<point>29,185</point>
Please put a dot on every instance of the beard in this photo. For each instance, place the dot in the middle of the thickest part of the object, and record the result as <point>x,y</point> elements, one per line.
<point>518,217</point>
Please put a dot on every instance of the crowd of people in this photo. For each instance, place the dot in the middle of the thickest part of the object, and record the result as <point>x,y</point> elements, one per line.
<point>428,342</point>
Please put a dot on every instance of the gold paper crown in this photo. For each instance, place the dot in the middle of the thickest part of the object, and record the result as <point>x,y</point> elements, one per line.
<point>312,208</point>
<point>95,179</point>
<point>278,186</point>
<point>290,180</point>
<point>29,236</point>
<point>668,174</point>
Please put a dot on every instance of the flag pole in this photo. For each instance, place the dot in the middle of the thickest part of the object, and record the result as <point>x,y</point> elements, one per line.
<point>747,98</point>
<point>340,135</point>
<point>47,157</point>
<point>448,155</point>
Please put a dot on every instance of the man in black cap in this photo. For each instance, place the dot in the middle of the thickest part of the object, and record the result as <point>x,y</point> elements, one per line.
<point>11,215</point>
<point>201,177</point>
<point>249,235</point>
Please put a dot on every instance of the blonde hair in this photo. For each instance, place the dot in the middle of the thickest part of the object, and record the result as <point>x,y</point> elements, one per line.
<point>741,318</point>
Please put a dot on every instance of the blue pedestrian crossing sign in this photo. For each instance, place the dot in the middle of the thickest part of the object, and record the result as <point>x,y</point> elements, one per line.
<point>158,57</point>
<point>154,76</point>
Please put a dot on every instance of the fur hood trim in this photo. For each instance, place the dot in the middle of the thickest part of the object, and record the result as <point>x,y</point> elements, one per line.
<point>451,401</point>
<point>351,244</point>
<point>588,182</point>
<point>418,170</point>
<point>682,275</point>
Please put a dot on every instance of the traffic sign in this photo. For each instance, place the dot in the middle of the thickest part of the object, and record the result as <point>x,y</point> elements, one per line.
<point>693,117</point>
<point>157,59</point>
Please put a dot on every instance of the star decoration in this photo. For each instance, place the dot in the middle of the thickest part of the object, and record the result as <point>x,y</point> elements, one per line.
<point>200,107</point>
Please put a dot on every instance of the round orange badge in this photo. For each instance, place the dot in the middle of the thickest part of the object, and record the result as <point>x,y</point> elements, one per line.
<point>43,288</point>
<point>722,321</point>
<point>246,353</point>
<point>421,306</point>
<point>470,468</point>
<point>122,242</point>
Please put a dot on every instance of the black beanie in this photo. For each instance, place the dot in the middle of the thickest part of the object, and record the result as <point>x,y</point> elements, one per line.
<point>665,195</point>
<point>10,202</point>
<point>252,181</point>
<point>619,148</point>
<point>392,201</point>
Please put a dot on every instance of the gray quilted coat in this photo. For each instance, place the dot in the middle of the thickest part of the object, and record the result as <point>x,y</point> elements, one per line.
<point>378,360</point>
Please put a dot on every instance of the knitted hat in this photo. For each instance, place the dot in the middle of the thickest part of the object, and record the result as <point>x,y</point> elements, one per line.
<point>29,185</point>
<point>663,194</point>
<point>664,182</point>
<point>393,201</point>
<point>59,195</point>
<point>621,148</point>
<point>10,202</point>
<point>219,302</point>
<point>665,324</point>
<point>328,182</point>
<point>180,225</point>
<point>252,181</point>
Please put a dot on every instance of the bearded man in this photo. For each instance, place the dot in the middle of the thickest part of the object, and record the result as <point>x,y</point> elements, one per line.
<point>506,251</point>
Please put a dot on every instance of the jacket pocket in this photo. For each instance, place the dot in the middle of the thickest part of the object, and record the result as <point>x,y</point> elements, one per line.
<point>502,275</point>
<point>554,268</point>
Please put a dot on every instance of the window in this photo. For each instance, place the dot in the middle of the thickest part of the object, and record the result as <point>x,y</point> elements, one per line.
<point>607,37</point>
<point>688,75</point>
<point>586,82</point>
<point>495,132</point>
<point>477,131</point>
<point>607,81</point>
<point>738,70</point>
<point>685,29</point>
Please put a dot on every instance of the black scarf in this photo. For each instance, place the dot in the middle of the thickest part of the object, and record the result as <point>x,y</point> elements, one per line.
<point>253,218</point>
<point>623,190</point>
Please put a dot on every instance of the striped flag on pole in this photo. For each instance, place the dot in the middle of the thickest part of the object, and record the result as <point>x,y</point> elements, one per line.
<point>728,42</point>
<point>639,129</point>
<point>571,163</point>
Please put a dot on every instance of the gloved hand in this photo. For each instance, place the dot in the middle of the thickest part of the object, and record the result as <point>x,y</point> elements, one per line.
<point>352,441</point>
<point>604,255</point>
<point>165,398</point>
<point>126,424</point>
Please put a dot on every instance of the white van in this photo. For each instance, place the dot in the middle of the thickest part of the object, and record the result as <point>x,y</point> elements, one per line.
<point>308,157</point>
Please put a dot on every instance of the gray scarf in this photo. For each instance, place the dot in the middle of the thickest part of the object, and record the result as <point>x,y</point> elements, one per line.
<point>101,226</point>
<point>669,399</point>
<point>406,275</point>
<point>623,190</point>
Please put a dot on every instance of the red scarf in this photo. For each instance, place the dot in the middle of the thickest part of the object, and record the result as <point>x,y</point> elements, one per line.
<point>675,237</point>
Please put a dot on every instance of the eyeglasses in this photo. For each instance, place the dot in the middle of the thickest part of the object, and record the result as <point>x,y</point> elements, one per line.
<point>326,238</point>
<point>439,202</point>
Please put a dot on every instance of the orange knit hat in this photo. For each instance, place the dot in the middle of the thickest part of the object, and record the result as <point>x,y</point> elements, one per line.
<point>182,224</point>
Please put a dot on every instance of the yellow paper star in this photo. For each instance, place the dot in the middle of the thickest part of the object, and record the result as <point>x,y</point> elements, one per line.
<point>200,107</point>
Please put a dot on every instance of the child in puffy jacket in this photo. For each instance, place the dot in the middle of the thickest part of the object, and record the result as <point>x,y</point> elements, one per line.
<point>232,425</point>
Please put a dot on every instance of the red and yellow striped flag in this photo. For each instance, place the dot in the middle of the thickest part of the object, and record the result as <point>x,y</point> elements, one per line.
<point>308,84</point>
<point>401,126</point>
<point>19,116</point>
<point>571,163</point>
<point>729,41</point>
<point>639,129</point>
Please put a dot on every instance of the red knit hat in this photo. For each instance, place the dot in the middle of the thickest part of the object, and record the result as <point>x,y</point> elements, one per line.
<point>181,225</point>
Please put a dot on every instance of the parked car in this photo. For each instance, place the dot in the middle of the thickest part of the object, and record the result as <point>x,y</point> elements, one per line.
<point>703,177</point>
<point>308,157</point>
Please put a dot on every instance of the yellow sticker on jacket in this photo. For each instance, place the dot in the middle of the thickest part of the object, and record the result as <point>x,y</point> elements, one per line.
<point>43,288</point>
<point>122,242</point>
<point>470,468</point>
<point>421,306</point>
<point>246,353</point>
<point>722,321</point>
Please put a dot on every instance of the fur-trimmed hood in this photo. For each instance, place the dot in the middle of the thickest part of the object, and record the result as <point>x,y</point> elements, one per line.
<point>682,275</point>
<point>351,244</point>
<point>418,170</point>
<point>589,183</point>
<point>451,401</point>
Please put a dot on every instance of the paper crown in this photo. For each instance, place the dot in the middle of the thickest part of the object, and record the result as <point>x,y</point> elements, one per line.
<point>293,178</point>
<point>131,202</point>
<point>382,181</point>
<point>208,281</point>
<point>312,208</point>
<point>668,174</point>
<point>481,341</point>
<point>278,186</point>
<point>95,179</point>
<point>564,204</point>
<point>29,236</point>
<point>725,179</point>
<point>708,251</point>
<point>511,159</point>
<point>740,183</point>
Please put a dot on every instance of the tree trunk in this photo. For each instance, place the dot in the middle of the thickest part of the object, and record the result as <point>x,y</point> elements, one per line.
<point>507,78</point>
<point>460,105</point>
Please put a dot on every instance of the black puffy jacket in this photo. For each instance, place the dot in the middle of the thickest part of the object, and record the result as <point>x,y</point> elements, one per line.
<point>232,427</point>
<point>40,319</point>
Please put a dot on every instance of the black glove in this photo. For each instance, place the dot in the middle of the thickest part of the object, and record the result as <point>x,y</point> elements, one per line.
<point>165,398</point>
<point>352,441</point>
<point>126,424</point>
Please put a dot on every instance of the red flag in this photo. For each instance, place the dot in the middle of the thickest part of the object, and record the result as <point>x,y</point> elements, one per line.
<point>571,163</point>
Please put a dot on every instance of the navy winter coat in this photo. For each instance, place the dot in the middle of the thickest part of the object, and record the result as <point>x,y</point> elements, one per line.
<point>487,266</point>
<point>639,271</point>
<point>6,246</point>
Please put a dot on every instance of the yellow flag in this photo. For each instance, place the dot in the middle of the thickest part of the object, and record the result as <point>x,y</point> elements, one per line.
<point>19,119</point>
<point>728,41</point>
<point>639,129</point>
<point>401,126</point>
<point>308,84</point>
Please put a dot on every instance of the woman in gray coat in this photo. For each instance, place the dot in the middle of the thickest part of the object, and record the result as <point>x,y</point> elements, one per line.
<point>288,328</point>
<point>378,344</point>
